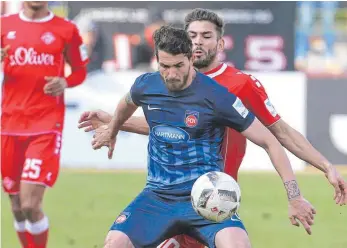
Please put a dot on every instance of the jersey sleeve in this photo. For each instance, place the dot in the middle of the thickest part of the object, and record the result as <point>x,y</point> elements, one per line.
<point>255,98</point>
<point>137,89</point>
<point>231,112</point>
<point>76,51</point>
<point>2,20</point>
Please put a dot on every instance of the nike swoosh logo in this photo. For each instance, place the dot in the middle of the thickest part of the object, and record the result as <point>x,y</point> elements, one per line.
<point>235,217</point>
<point>149,108</point>
<point>232,218</point>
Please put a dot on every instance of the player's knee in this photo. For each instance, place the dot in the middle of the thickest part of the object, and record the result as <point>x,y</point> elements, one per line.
<point>117,239</point>
<point>15,205</point>
<point>30,212</point>
<point>30,209</point>
<point>232,237</point>
<point>31,196</point>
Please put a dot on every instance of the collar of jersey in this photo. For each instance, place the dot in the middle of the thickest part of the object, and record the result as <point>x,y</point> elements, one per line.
<point>45,19</point>
<point>216,71</point>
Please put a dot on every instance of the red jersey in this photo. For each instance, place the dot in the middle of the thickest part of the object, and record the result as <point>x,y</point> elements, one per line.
<point>38,48</point>
<point>254,97</point>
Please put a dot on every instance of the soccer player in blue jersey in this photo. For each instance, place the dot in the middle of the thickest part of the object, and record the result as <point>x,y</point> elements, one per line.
<point>187,113</point>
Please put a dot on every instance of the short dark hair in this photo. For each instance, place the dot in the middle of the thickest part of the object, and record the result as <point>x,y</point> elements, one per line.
<point>173,41</point>
<point>205,15</point>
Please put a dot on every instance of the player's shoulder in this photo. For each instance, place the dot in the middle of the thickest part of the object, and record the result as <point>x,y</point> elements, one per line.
<point>64,22</point>
<point>210,87</point>
<point>143,80</point>
<point>229,76</point>
<point>235,74</point>
<point>149,76</point>
<point>206,81</point>
<point>9,18</point>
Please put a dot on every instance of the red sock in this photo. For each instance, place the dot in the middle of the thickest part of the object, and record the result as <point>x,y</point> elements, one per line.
<point>22,234</point>
<point>39,232</point>
<point>29,239</point>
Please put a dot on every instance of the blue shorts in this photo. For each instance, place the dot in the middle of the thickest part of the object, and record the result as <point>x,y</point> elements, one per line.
<point>152,218</point>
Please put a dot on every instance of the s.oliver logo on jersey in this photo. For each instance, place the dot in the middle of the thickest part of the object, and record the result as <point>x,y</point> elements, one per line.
<point>170,134</point>
<point>191,118</point>
<point>28,56</point>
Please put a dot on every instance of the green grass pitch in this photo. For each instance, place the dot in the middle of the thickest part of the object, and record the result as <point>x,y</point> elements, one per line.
<point>83,205</point>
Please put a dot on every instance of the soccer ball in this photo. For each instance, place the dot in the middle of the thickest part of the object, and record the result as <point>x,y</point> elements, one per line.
<point>216,196</point>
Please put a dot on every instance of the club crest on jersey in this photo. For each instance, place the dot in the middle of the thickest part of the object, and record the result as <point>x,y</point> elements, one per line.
<point>191,118</point>
<point>48,38</point>
<point>122,218</point>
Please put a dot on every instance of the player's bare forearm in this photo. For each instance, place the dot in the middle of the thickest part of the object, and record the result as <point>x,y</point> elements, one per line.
<point>261,136</point>
<point>136,124</point>
<point>297,144</point>
<point>282,164</point>
<point>123,112</point>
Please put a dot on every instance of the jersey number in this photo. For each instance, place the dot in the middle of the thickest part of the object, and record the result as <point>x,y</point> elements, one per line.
<point>32,168</point>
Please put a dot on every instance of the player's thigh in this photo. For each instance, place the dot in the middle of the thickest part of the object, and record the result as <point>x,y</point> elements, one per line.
<point>117,239</point>
<point>206,231</point>
<point>42,159</point>
<point>232,237</point>
<point>31,196</point>
<point>147,221</point>
<point>228,234</point>
<point>12,160</point>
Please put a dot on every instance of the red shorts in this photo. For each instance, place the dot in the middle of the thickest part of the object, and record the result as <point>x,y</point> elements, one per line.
<point>181,241</point>
<point>32,159</point>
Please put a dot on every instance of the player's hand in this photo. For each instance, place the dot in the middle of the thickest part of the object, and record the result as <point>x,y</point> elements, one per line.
<point>55,86</point>
<point>3,51</point>
<point>339,184</point>
<point>103,137</point>
<point>91,120</point>
<point>301,210</point>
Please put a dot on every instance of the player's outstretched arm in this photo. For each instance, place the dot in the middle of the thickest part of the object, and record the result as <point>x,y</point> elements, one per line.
<point>91,120</point>
<point>106,135</point>
<point>297,144</point>
<point>299,208</point>
<point>257,100</point>
<point>136,124</point>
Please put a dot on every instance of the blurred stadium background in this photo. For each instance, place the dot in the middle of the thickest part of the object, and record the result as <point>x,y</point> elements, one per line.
<point>298,50</point>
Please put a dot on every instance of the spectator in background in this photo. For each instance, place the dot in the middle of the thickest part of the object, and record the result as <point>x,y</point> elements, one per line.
<point>91,37</point>
<point>143,53</point>
<point>306,16</point>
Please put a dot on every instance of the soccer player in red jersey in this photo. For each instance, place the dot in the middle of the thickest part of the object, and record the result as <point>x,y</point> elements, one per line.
<point>35,44</point>
<point>206,30</point>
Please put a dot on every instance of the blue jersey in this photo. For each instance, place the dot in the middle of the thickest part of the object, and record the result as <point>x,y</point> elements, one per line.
<point>186,129</point>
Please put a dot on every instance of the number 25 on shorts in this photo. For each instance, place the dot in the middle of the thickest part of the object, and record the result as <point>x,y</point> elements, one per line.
<point>32,168</point>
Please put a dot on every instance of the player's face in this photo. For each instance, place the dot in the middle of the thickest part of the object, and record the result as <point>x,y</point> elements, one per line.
<point>174,70</point>
<point>206,43</point>
<point>36,5</point>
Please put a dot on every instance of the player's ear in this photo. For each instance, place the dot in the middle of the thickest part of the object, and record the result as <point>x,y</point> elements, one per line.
<point>220,45</point>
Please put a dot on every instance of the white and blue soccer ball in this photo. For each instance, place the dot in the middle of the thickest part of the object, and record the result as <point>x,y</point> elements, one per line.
<point>216,196</point>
